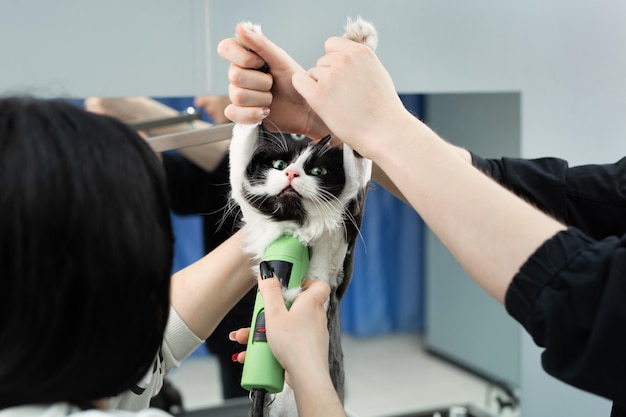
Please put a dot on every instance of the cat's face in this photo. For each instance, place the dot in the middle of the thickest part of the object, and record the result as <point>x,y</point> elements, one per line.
<point>291,178</point>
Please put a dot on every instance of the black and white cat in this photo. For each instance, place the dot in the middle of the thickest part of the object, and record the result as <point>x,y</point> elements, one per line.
<point>289,185</point>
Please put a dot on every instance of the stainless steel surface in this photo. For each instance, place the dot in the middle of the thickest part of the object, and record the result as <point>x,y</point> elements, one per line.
<point>188,116</point>
<point>188,138</point>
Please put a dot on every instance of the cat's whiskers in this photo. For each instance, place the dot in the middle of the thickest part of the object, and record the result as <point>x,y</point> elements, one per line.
<point>230,208</point>
<point>280,140</point>
<point>324,149</point>
<point>350,217</point>
<point>327,212</point>
<point>328,197</point>
<point>255,187</point>
<point>275,127</point>
<point>258,198</point>
<point>338,205</point>
<point>328,206</point>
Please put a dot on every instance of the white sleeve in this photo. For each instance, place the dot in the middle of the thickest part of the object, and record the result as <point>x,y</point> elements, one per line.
<point>178,343</point>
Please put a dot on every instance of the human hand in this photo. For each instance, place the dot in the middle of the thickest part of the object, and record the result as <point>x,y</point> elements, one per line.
<point>354,95</point>
<point>256,95</point>
<point>214,107</point>
<point>299,340</point>
<point>240,336</point>
<point>298,336</point>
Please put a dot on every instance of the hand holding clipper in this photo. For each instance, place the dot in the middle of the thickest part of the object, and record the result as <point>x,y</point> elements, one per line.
<point>289,260</point>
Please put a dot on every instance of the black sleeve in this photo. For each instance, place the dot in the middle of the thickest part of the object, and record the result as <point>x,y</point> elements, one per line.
<point>589,197</point>
<point>195,191</point>
<point>570,297</point>
<point>192,189</point>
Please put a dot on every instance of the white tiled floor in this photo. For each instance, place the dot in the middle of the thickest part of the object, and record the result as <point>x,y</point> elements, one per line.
<point>384,376</point>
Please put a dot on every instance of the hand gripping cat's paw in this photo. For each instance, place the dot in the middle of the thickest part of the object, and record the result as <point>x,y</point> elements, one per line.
<point>251,27</point>
<point>289,295</point>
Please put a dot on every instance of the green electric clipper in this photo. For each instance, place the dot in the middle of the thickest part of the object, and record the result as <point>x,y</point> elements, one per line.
<point>262,374</point>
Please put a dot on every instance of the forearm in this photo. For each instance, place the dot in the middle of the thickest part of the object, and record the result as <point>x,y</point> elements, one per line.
<point>490,231</point>
<point>315,394</point>
<point>383,179</point>
<point>205,291</point>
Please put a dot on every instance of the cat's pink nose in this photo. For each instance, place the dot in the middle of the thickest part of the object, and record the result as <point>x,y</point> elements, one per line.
<point>291,174</point>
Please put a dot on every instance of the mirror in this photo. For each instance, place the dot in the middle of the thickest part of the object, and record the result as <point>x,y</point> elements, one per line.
<point>466,336</point>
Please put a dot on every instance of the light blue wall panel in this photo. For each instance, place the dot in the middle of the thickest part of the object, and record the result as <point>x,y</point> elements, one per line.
<point>463,323</point>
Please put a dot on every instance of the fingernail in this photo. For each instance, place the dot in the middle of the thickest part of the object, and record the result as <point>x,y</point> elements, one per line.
<point>265,111</point>
<point>266,270</point>
<point>231,336</point>
<point>235,357</point>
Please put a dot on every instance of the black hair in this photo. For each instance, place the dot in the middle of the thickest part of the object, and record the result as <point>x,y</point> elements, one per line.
<point>85,254</point>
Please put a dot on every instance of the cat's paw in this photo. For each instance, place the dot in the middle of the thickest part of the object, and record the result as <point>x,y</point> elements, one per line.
<point>251,27</point>
<point>290,294</point>
<point>361,31</point>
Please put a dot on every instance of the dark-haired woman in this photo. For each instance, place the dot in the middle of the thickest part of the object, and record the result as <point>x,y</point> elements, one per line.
<point>89,315</point>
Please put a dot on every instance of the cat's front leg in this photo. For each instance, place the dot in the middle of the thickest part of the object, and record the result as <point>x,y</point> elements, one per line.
<point>327,256</point>
<point>259,235</point>
<point>242,146</point>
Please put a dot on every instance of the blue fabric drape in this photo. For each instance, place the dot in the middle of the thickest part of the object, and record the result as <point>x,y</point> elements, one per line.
<point>386,291</point>
<point>188,244</point>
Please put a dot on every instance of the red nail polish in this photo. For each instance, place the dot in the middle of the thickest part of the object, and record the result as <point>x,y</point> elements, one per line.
<point>235,357</point>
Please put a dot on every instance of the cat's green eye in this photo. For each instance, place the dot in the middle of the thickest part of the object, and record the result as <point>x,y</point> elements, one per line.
<point>279,164</point>
<point>317,171</point>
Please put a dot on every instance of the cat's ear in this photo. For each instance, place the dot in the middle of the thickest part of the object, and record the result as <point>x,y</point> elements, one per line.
<point>324,141</point>
<point>360,170</point>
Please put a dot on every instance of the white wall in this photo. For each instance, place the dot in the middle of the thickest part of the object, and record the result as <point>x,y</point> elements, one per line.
<point>77,48</point>
<point>565,57</point>
<point>466,325</point>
